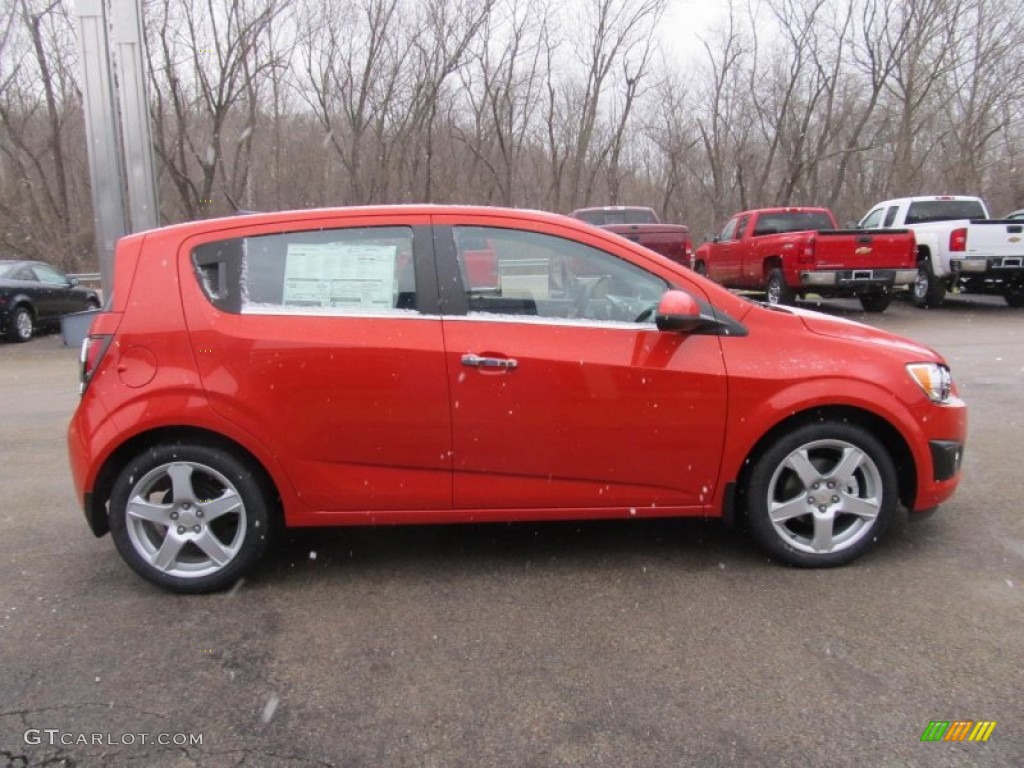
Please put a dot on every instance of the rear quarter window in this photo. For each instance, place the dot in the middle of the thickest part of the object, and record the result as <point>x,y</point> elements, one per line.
<point>365,270</point>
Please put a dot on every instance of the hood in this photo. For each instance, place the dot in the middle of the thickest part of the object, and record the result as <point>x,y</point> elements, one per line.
<point>840,328</point>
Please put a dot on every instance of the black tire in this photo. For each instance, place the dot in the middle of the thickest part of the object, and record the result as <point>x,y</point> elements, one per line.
<point>202,505</point>
<point>701,268</point>
<point>927,290</point>
<point>92,305</point>
<point>21,325</point>
<point>875,302</point>
<point>776,289</point>
<point>846,519</point>
<point>1015,298</point>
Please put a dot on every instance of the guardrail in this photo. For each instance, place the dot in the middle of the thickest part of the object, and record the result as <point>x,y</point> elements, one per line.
<point>86,277</point>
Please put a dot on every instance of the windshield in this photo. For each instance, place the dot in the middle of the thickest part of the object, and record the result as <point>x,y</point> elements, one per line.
<point>945,210</point>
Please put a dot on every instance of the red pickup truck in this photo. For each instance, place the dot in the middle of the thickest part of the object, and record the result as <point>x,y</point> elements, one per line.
<point>790,252</point>
<point>642,225</point>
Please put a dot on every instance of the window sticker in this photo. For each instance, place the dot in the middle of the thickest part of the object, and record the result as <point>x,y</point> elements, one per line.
<point>340,275</point>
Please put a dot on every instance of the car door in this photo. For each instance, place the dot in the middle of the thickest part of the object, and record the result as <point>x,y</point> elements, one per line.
<point>64,296</point>
<point>566,399</point>
<point>322,339</point>
<point>726,255</point>
<point>47,291</point>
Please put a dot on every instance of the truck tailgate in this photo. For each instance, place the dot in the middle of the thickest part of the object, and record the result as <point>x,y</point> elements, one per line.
<point>996,238</point>
<point>865,249</point>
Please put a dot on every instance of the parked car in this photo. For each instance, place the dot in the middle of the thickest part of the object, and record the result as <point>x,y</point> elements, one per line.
<point>958,246</point>
<point>642,225</point>
<point>790,252</point>
<point>300,367</point>
<point>34,295</point>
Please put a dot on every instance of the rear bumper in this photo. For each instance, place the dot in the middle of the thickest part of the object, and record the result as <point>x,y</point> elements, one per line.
<point>1002,266</point>
<point>858,280</point>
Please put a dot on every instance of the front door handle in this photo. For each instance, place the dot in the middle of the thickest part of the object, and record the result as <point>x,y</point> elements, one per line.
<point>475,361</point>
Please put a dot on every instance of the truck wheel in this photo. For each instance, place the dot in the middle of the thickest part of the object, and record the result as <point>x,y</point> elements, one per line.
<point>821,495</point>
<point>777,290</point>
<point>1015,298</point>
<point>875,302</point>
<point>701,268</point>
<point>928,290</point>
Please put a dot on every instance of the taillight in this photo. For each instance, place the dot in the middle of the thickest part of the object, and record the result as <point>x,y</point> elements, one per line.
<point>958,239</point>
<point>808,252</point>
<point>93,350</point>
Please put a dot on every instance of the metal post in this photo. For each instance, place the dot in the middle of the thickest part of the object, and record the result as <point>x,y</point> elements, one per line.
<point>102,136</point>
<point>138,144</point>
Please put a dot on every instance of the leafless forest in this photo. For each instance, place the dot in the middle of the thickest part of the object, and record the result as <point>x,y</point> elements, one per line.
<point>552,104</point>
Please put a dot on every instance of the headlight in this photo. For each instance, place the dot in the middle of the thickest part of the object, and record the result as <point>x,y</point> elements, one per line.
<point>934,379</point>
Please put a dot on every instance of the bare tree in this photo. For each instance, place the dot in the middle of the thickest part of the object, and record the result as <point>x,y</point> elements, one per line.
<point>205,61</point>
<point>42,211</point>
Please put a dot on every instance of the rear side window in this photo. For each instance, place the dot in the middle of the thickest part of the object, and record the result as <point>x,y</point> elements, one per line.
<point>366,270</point>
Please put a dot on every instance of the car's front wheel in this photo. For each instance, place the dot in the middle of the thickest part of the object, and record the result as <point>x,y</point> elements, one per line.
<point>189,518</point>
<point>21,325</point>
<point>821,495</point>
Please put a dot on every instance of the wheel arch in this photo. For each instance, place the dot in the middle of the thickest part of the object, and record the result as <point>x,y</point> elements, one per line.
<point>96,508</point>
<point>882,430</point>
<point>769,263</point>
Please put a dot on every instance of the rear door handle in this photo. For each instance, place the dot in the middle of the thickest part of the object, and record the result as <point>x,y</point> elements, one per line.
<point>475,361</point>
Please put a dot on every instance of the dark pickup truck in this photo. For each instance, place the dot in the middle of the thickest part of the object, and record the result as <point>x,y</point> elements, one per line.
<point>790,252</point>
<point>642,225</point>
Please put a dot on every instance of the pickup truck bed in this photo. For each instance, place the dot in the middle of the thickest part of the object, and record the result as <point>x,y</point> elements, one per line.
<point>642,226</point>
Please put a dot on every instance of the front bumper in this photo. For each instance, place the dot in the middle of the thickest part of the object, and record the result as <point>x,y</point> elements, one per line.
<point>947,456</point>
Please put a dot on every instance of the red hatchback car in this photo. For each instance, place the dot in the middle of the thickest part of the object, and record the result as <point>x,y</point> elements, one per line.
<point>338,367</point>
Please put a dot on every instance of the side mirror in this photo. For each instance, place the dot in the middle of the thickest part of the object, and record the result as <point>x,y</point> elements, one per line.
<point>72,281</point>
<point>677,311</point>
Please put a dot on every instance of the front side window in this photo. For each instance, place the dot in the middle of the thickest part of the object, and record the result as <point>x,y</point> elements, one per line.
<point>528,274</point>
<point>364,270</point>
<point>873,219</point>
<point>728,232</point>
<point>49,275</point>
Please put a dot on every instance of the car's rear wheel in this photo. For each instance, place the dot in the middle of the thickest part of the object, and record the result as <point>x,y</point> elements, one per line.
<point>21,325</point>
<point>928,290</point>
<point>875,302</point>
<point>822,495</point>
<point>1015,298</point>
<point>778,292</point>
<point>189,518</point>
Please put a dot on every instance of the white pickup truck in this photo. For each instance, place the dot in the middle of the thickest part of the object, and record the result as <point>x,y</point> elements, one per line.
<point>958,246</point>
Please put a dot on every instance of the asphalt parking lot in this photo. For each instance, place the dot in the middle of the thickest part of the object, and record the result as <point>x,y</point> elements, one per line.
<point>643,643</point>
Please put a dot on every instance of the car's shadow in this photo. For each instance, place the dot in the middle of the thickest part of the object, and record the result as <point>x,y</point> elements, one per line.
<point>692,544</point>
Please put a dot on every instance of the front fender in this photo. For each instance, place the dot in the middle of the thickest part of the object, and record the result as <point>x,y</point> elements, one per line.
<point>750,422</point>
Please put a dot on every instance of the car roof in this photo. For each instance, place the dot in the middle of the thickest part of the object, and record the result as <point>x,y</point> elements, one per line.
<point>297,217</point>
